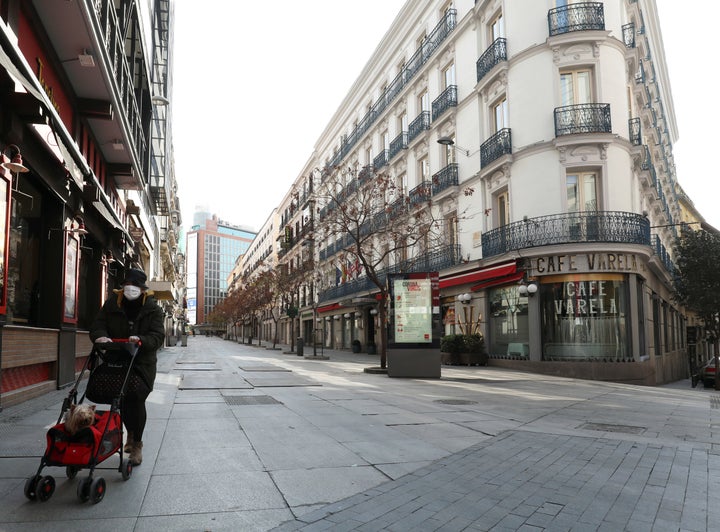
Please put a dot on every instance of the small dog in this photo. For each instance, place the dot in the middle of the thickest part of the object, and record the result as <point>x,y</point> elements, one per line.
<point>79,417</point>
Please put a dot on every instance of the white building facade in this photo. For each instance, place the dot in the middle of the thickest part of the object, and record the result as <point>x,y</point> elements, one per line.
<point>540,133</point>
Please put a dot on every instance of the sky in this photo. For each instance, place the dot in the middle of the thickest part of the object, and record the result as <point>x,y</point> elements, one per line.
<point>256,83</point>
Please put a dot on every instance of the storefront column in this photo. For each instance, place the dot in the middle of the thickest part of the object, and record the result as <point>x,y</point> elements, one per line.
<point>634,311</point>
<point>534,327</point>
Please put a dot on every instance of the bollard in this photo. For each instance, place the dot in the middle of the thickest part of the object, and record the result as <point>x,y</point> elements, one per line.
<point>300,346</point>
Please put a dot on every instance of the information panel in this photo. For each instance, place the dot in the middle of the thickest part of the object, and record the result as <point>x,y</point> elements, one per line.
<point>413,310</point>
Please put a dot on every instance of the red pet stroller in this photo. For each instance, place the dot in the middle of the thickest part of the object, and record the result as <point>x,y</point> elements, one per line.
<point>111,375</point>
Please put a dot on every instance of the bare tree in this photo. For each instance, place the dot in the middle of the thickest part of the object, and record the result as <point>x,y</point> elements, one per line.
<point>369,224</point>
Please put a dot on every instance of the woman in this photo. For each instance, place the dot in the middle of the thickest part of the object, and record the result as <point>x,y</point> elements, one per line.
<point>134,314</point>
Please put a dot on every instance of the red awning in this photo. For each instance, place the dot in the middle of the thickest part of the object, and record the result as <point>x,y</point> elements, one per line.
<point>491,272</point>
<point>328,308</point>
<point>514,278</point>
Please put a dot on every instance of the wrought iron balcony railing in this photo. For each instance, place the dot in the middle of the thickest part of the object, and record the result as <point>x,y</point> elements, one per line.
<point>597,226</point>
<point>635,132</point>
<point>397,144</point>
<point>445,178</point>
<point>440,259</point>
<point>420,124</point>
<point>381,159</point>
<point>662,253</point>
<point>496,53</point>
<point>628,31</point>
<point>496,146</point>
<point>366,172</point>
<point>414,64</point>
<point>582,16</point>
<point>421,193</point>
<point>446,100</point>
<point>583,118</point>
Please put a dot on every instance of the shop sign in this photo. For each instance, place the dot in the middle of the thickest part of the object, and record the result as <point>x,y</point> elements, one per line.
<point>136,233</point>
<point>587,262</point>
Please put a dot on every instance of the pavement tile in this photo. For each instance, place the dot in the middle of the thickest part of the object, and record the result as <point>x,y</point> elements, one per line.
<point>344,450</point>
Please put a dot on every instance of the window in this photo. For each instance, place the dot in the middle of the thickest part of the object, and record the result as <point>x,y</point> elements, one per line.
<point>502,208</point>
<point>582,192</point>
<point>576,87</point>
<point>497,28</point>
<point>424,101</point>
<point>401,183</point>
<point>423,170</point>
<point>585,317</point>
<point>451,230</point>
<point>449,76</point>
<point>402,123</point>
<point>500,115</point>
<point>448,152</point>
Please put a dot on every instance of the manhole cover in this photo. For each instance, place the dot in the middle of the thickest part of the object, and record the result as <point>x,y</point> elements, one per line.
<point>244,400</point>
<point>606,427</point>
<point>456,402</point>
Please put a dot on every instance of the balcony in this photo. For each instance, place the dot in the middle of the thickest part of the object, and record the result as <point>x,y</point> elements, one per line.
<point>628,31</point>
<point>381,159</point>
<point>366,172</point>
<point>421,56</point>
<point>583,118</point>
<point>420,194</point>
<point>495,147</point>
<point>397,144</point>
<point>598,226</point>
<point>496,53</point>
<point>446,100</point>
<point>634,131</point>
<point>585,16</point>
<point>440,259</point>
<point>420,124</point>
<point>445,178</point>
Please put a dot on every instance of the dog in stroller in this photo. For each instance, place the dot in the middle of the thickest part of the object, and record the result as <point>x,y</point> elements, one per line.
<point>83,436</point>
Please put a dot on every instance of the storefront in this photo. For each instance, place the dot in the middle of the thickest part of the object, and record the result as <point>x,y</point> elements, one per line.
<point>605,315</point>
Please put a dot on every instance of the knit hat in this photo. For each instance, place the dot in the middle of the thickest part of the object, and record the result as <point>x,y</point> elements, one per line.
<point>135,277</point>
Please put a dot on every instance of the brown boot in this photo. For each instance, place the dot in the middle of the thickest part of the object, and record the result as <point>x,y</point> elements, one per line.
<point>129,442</point>
<point>136,453</point>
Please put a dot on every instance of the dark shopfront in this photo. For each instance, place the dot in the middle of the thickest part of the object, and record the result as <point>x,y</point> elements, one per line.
<point>600,316</point>
<point>59,237</point>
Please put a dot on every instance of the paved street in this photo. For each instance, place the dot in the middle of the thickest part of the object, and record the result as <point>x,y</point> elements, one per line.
<point>249,438</point>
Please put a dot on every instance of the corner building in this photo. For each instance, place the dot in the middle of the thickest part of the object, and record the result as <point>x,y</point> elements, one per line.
<point>542,132</point>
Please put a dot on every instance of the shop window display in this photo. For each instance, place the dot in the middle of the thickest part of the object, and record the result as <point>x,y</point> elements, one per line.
<point>584,318</point>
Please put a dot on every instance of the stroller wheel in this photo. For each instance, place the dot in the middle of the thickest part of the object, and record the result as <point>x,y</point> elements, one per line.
<point>31,487</point>
<point>97,490</point>
<point>126,469</point>
<point>83,489</point>
<point>71,472</point>
<point>45,488</point>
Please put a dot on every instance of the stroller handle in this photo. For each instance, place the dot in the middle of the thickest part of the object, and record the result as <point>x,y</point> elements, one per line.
<point>124,341</point>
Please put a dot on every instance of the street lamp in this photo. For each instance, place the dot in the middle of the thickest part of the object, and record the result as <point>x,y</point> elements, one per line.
<point>528,289</point>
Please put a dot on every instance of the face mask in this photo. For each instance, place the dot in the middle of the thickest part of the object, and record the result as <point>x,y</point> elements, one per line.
<point>131,292</point>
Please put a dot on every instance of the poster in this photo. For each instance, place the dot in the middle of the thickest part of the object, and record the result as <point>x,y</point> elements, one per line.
<point>70,280</point>
<point>413,310</point>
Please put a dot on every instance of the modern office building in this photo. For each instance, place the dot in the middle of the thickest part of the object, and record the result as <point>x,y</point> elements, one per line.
<point>213,246</point>
<point>539,134</point>
<point>87,188</point>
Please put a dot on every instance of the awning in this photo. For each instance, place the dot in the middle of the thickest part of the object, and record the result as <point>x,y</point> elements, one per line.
<point>514,278</point>
<point>162,290</point>
<point>328,308</point>
<point>491,272</point>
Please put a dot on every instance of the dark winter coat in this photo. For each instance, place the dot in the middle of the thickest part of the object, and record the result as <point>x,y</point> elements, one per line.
<point>149,326</point>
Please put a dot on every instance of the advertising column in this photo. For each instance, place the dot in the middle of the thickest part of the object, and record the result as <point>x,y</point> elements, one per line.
<point>414,325</point>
